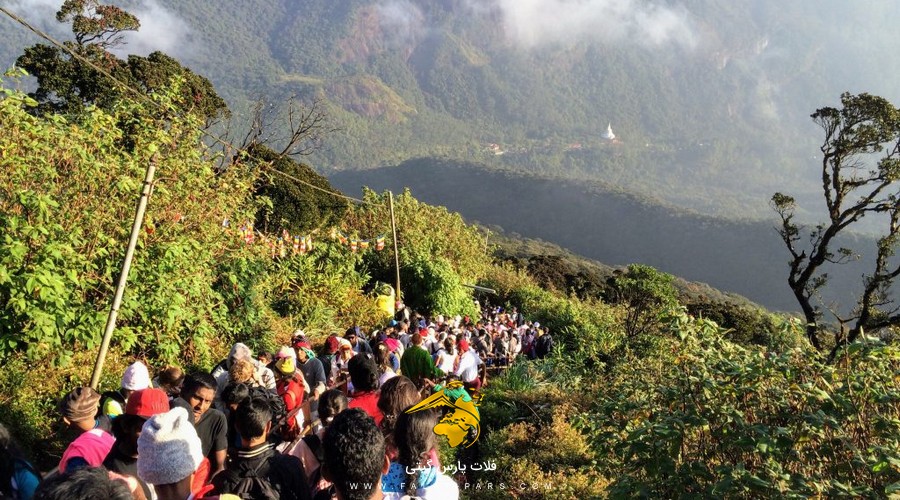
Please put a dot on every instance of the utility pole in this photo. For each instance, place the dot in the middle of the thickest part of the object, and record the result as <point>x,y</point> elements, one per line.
<point>396,250</point>
<point>123,277</point>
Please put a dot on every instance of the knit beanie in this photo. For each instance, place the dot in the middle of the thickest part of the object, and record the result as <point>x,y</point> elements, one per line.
<point>136,377</point>
<point>91,446</point>
<point>79,404</point>
<point>147,403</point>
<point>169,449</point>
<point>240,351</point>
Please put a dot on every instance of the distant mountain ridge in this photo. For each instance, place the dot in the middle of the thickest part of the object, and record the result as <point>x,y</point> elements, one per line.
<point>710,99</point>
<point>614,228</point>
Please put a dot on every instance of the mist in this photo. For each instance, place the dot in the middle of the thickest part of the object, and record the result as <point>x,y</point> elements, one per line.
<point>535,23</point>
<point>402,22</point>
<point>161,28</point>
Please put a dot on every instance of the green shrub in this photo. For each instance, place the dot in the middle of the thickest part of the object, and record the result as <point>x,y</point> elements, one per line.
<point>714,418</point>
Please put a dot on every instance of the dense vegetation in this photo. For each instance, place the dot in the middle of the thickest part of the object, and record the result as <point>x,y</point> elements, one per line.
<point>717,126</point>
<point>640,398</point>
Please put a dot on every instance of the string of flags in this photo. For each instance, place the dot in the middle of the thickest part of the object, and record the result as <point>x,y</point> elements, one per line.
<point>357,244</point>
<point>301,244</point>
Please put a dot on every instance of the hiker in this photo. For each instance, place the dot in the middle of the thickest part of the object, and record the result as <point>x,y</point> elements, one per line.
<point>467,366</point>
<point>359,345</point>
<point>87,483</point>
<point>364,379</point>
<point>414,438</point>
<point>291,393</point>
<point>239,351</point>
<point>354,456</point>
<point>142,405</point>
<point>170,379</point>
<point>417,365</point>
<point>397,394</point>
<point>543,345</point>
<point>88,450</point>
<point>382,358</point>
<point>18,478</point>
<point>309,449</point>
<point>258,471</point>
<point>169,453</point>
<point>312,369</point>
<point>199,391</point>
<point>232,397</point>
<point>78,410</point>
<point>446,356</point>
<point>329,359</point>
<point>135,378</point>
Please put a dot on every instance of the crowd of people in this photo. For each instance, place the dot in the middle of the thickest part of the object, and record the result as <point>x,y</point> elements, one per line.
<point>299,423</point>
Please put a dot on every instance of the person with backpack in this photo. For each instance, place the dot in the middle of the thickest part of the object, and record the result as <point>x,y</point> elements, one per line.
<point>258,472</point>
<point>18,478</point>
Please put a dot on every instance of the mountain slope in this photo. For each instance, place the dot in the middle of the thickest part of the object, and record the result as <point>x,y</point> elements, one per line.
<point>614,228</point>
<point>710,99</point>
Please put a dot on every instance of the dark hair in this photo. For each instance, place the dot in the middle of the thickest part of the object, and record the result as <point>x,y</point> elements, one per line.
<point>87,483</point>
<point>353,449</point>
<point>331,402</point>
<point>251,417</point>
<point>170,377</point>
<point>449,346</point>
<point>9,454</point>
<point>196,381</point>
<point>397,394</point>
<point>363,373</point>
<point>235,394</point>
<point>414,438</point>
<point>382,355</point>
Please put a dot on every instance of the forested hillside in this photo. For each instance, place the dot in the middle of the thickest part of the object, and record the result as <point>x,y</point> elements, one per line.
<point>709,99</point>
<point>614,228</point>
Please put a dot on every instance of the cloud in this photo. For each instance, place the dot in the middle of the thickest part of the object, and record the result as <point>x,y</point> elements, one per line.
<point>533,23</point>
<point>42,15</point>
<point>402,22</point>
<point>161,29</point>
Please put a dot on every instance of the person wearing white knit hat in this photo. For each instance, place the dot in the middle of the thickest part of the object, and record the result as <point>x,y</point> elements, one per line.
<point>135,378</point>
<point>169,452</point>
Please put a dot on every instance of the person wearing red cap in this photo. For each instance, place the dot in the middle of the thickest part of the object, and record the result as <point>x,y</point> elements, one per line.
<point>141,405</point>
<point>467,366</point>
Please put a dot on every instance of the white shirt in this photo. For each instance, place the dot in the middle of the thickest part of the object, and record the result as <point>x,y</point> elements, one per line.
<point>468,366</point>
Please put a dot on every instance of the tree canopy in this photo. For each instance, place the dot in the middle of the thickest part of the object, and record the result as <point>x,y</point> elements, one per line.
<point>67,83</point>
<point>859,168</point>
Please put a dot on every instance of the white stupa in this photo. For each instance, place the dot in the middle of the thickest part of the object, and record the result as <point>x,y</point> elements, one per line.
<point>609,135</point>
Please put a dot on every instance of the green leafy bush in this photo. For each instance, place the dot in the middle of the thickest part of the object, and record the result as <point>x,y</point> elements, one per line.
<point>714,418</point>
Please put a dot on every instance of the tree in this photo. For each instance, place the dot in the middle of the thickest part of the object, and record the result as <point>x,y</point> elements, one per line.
<point>295,207</point>
<point>646,292</point>
<point>859,169</point>
<point>66,84</point>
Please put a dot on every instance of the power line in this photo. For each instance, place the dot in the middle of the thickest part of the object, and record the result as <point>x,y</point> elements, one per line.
<point>145,98</point>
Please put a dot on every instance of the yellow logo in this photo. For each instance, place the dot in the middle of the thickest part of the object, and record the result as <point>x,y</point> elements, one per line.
<point>461,424</point>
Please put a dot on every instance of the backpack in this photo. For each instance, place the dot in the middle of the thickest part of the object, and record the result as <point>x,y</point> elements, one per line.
<point>252,486</point>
